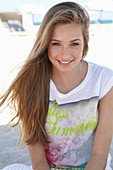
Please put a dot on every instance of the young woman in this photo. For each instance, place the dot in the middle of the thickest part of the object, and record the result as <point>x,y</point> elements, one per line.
<point>63,102</point>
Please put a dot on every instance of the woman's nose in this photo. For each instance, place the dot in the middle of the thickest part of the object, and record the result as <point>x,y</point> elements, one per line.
<point>65,52</point>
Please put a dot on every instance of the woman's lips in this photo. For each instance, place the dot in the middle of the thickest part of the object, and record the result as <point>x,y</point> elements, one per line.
<point>64,62</point>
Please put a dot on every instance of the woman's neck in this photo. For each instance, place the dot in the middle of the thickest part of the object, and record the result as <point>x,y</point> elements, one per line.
<point>67,81</point>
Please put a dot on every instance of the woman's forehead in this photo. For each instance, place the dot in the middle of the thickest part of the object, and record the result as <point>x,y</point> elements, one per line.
<point>69,31</point>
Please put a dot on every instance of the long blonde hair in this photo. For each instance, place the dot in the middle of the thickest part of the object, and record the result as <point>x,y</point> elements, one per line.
<point>29,92</point>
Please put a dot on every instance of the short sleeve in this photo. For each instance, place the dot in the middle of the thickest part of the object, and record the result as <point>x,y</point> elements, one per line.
<point>106,82</point>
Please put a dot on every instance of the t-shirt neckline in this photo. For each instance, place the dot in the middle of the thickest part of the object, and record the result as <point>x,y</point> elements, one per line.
<point>76,88</point>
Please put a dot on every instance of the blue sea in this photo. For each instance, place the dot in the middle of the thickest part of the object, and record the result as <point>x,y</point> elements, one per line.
<point>92,22</point>
<point>102,22</point>
<point>37,23</point>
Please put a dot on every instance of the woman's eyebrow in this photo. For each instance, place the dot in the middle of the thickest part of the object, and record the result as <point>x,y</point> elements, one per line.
<point>77,39</point>
<point>55,40</point>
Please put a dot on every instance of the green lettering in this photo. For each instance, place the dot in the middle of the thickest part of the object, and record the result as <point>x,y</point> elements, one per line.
<point>57,132</point>
<point>49,126</point>
<point>77,129</point>
<point>58,114</point>
<point>52,130</point>
<point>81,127</point>
<point>54,109</point>
<point>63,131</point>
<point>56,168</point>
<point>61,114</point>
<point>65,116</point>
<point>88,126</point>
<point>50,120</point>
<point>51,108</point>
<point>66,113</point>
<point>50,112</point>
<point>60,167</point>
<point>93,125</point>
<point>69,129</point>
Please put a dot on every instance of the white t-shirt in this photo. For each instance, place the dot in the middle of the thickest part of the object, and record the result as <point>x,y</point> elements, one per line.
<point>72,118</point>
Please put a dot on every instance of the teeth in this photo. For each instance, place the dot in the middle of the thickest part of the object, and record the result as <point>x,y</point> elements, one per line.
<point>65,62</point>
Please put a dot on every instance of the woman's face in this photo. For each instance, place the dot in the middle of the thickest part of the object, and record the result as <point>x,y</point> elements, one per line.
<point>65,48</point>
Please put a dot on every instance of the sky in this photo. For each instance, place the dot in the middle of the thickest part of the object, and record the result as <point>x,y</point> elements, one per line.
<point>13,5</point>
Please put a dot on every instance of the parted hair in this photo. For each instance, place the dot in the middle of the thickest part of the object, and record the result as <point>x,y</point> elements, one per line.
<point>28,94</point>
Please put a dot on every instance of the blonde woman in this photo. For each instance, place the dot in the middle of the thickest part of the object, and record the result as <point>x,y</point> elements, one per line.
<point>64,103</point>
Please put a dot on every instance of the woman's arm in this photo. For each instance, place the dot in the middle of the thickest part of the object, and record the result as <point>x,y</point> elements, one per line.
<point>38,157</point>
<point>103,134</point>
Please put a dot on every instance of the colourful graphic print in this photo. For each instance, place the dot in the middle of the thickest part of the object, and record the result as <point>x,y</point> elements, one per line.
<point>70,128</point>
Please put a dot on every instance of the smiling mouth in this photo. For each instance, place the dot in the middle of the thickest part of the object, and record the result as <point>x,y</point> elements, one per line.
<point>64,62</point>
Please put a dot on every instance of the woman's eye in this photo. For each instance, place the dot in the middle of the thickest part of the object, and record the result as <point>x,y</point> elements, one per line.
<point>56,44</point>
<point>74,44</point>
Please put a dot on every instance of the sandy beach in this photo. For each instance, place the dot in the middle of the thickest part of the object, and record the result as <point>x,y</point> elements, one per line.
<point>14,49</point>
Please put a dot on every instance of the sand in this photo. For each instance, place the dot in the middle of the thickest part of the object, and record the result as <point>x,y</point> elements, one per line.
<point>14,49</point>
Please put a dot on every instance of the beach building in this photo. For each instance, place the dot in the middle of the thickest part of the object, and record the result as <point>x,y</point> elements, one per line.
<point>101,12</point>
<point>24,18</point>
<point>14,21</point>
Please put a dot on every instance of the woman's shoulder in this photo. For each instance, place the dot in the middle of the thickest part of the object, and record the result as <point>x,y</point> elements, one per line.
<point>100,69</point>
<point>101,76</point>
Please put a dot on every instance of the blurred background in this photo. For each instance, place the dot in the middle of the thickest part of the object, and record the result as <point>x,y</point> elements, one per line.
<point>19,23</point>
